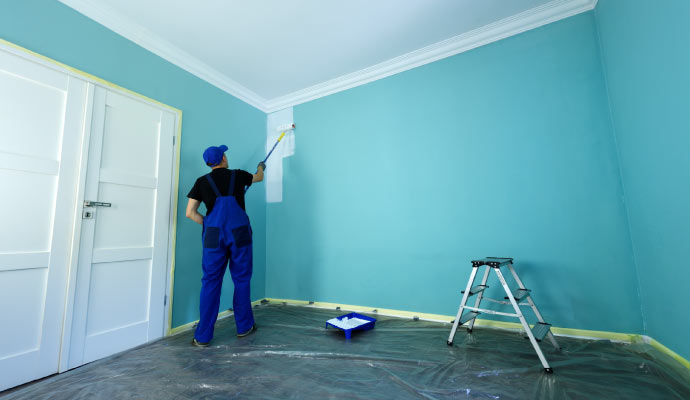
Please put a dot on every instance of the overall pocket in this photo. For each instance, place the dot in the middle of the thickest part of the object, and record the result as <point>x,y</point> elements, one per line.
<point>242,236</point>
<point>212,238</point>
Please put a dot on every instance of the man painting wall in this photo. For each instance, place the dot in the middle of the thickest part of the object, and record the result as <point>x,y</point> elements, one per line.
<point>227,237</point>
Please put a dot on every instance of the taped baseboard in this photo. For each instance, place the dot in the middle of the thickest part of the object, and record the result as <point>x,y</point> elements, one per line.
<point>190,325</point>
<point>654,343</point>
<point>513,326</point>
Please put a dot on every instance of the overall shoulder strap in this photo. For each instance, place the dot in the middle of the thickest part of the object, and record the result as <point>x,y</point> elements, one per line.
<point>231,187</point>
<point>213,185</point>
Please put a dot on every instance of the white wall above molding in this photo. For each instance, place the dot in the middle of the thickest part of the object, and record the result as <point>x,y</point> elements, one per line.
<point>298,52</point>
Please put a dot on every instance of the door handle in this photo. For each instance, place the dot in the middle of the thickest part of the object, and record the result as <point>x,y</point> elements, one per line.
<point>89,203</point>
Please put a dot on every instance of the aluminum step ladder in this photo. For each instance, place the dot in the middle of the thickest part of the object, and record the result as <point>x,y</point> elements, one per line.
<point>535,333</point>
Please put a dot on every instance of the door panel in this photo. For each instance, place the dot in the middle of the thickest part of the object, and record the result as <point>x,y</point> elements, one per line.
<point>109,279</point>
<point>115,341</point>
<point>131,136</point>
<point>122,274</point>
<point>24,99</point>
<point>129,222</point>
<point>25,290</point>
<point>32,206</point>
<point>42,114</point>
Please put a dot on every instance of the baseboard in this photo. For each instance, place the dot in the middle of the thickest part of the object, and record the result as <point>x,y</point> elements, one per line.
<point>654,343</point>
<point>513,326</point>
<point>190,325</point>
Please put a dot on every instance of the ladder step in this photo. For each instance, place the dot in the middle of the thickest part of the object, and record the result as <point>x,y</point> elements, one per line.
<point>476,289</point>
<point>540,330</point>
<point>467,317</point>
<point>494,262</point>
<point>519,294</point>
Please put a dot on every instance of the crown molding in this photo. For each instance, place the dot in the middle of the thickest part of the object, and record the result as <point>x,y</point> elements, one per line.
<point>510,26</point>
<point>539,16</point>
<point>121,25</point>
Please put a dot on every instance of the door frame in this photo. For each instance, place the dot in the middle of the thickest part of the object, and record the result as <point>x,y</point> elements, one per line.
<point>93,81</point>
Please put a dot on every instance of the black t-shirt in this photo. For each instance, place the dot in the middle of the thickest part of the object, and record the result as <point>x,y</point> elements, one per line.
<point>202,190</point>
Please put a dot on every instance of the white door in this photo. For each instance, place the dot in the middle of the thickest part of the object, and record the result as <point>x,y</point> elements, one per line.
<point>121,277</point>
<point>42,114</point>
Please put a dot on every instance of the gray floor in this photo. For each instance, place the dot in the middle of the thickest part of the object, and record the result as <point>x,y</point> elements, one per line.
<point>293,356</point>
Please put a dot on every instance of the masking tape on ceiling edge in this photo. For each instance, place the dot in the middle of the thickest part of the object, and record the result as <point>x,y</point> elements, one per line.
<point>565,332</point>
<point>178,137</point>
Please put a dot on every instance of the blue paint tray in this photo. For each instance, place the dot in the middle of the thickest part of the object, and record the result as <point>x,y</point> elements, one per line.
<point>347,325</point>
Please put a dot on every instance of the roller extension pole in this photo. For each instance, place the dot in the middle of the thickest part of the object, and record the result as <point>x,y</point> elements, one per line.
<point>283,129</point>
<point>274,146</point>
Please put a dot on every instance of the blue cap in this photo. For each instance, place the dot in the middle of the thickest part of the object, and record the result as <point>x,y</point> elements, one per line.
<point>214,155</point>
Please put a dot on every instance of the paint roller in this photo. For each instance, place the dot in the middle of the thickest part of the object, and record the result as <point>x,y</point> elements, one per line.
<point>283,129</point>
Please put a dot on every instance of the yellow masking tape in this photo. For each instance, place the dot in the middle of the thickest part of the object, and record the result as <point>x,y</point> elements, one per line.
<point>86,75</point>
<point>578,333</point>
<point>190,325</point>
<point>567,332</point>
<point>370,310</point>
<point>176,190</point>
<point>669,352</point>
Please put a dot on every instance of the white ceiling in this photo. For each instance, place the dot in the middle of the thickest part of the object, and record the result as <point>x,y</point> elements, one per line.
<point>274,53</point>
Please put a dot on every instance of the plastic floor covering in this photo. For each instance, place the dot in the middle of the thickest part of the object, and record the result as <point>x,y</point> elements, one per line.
<point>293,356</point>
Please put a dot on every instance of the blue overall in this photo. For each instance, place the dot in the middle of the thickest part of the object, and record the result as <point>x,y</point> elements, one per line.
<point>226,235</point>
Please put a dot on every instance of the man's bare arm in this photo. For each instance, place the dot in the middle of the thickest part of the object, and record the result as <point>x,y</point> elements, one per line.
<point>193,213</point>
<point>259,175</point>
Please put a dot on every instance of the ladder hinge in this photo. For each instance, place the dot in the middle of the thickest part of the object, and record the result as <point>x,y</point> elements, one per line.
<point>165,300</point>
<point>174,140</point>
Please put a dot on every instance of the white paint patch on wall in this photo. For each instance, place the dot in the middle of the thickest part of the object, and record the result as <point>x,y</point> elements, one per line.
<point>286,148</point>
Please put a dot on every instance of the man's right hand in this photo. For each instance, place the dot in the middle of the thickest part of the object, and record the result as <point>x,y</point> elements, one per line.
<point>259,175</point>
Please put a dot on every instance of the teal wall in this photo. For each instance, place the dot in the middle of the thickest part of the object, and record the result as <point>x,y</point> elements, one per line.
<point>506,150</point>
<point>210,117</point>
<point>647,59</point>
